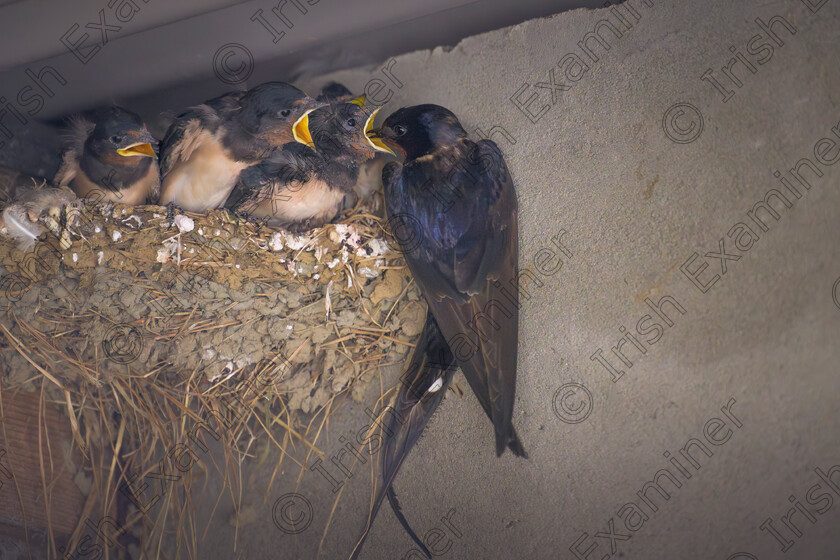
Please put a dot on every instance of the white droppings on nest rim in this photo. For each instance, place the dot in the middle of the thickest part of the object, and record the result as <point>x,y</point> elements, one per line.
<point>338,231</point>
<point>171,247</point>
<point>374,248</point>
<point>97,229</point>
<point>348,233</point>
<point>133,217</point>
<point>276,242</point>
<point>208,354</point>
<point>218,232</point>
<point>380,246</point>
<point>116,236</point>
<point>333,262</point>
<point>184,223</point>
<point>162,256</point>
<point>295,242</point>
<point>101,255</point>
<point>320,251</point>
<point>200,231</point>
<point>75,257</point>
<point>372,271</point>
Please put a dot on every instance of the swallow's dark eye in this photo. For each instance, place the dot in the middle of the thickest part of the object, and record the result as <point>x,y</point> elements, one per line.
<point>116,139</point>
<point>400,130</point>
<point>351,123</point>
<point>285,112</point>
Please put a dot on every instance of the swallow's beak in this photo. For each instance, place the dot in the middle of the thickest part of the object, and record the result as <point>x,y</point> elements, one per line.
<point>144,147</point>
<point>300,130</point>
<point>360,101</point>
<point>374,137</point>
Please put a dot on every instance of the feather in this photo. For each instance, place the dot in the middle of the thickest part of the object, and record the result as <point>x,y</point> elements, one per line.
<point>78,129</point>
<point>19,227</point>
<point>31,202</point>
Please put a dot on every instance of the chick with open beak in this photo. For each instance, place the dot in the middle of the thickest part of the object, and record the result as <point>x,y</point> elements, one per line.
<point>110,156</point>
<point>370,172</point>
<point>207,146</point>
<point>299,187</point>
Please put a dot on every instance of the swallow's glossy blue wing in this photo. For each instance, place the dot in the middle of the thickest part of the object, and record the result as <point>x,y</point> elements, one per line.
<point>465,259</point>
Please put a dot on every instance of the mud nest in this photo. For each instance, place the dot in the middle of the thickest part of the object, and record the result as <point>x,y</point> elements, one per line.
<point>152,323</point>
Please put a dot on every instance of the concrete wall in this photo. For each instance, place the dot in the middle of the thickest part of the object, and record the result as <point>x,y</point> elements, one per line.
<point>645,170</point>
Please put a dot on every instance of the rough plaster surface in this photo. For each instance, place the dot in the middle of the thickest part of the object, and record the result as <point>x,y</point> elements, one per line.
<point>635,206</point>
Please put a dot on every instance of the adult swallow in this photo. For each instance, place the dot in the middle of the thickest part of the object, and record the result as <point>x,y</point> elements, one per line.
<point>424,382</point>
<point>110,157</point>
<point>457,198</point>
<point>207,146</point>
<point>300,187</point>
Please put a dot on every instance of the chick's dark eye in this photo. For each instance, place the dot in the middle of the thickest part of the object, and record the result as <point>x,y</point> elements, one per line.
<point>351,123</point>
<point>400,130</point>
<point>116,139</point>
<point>285,112</point>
